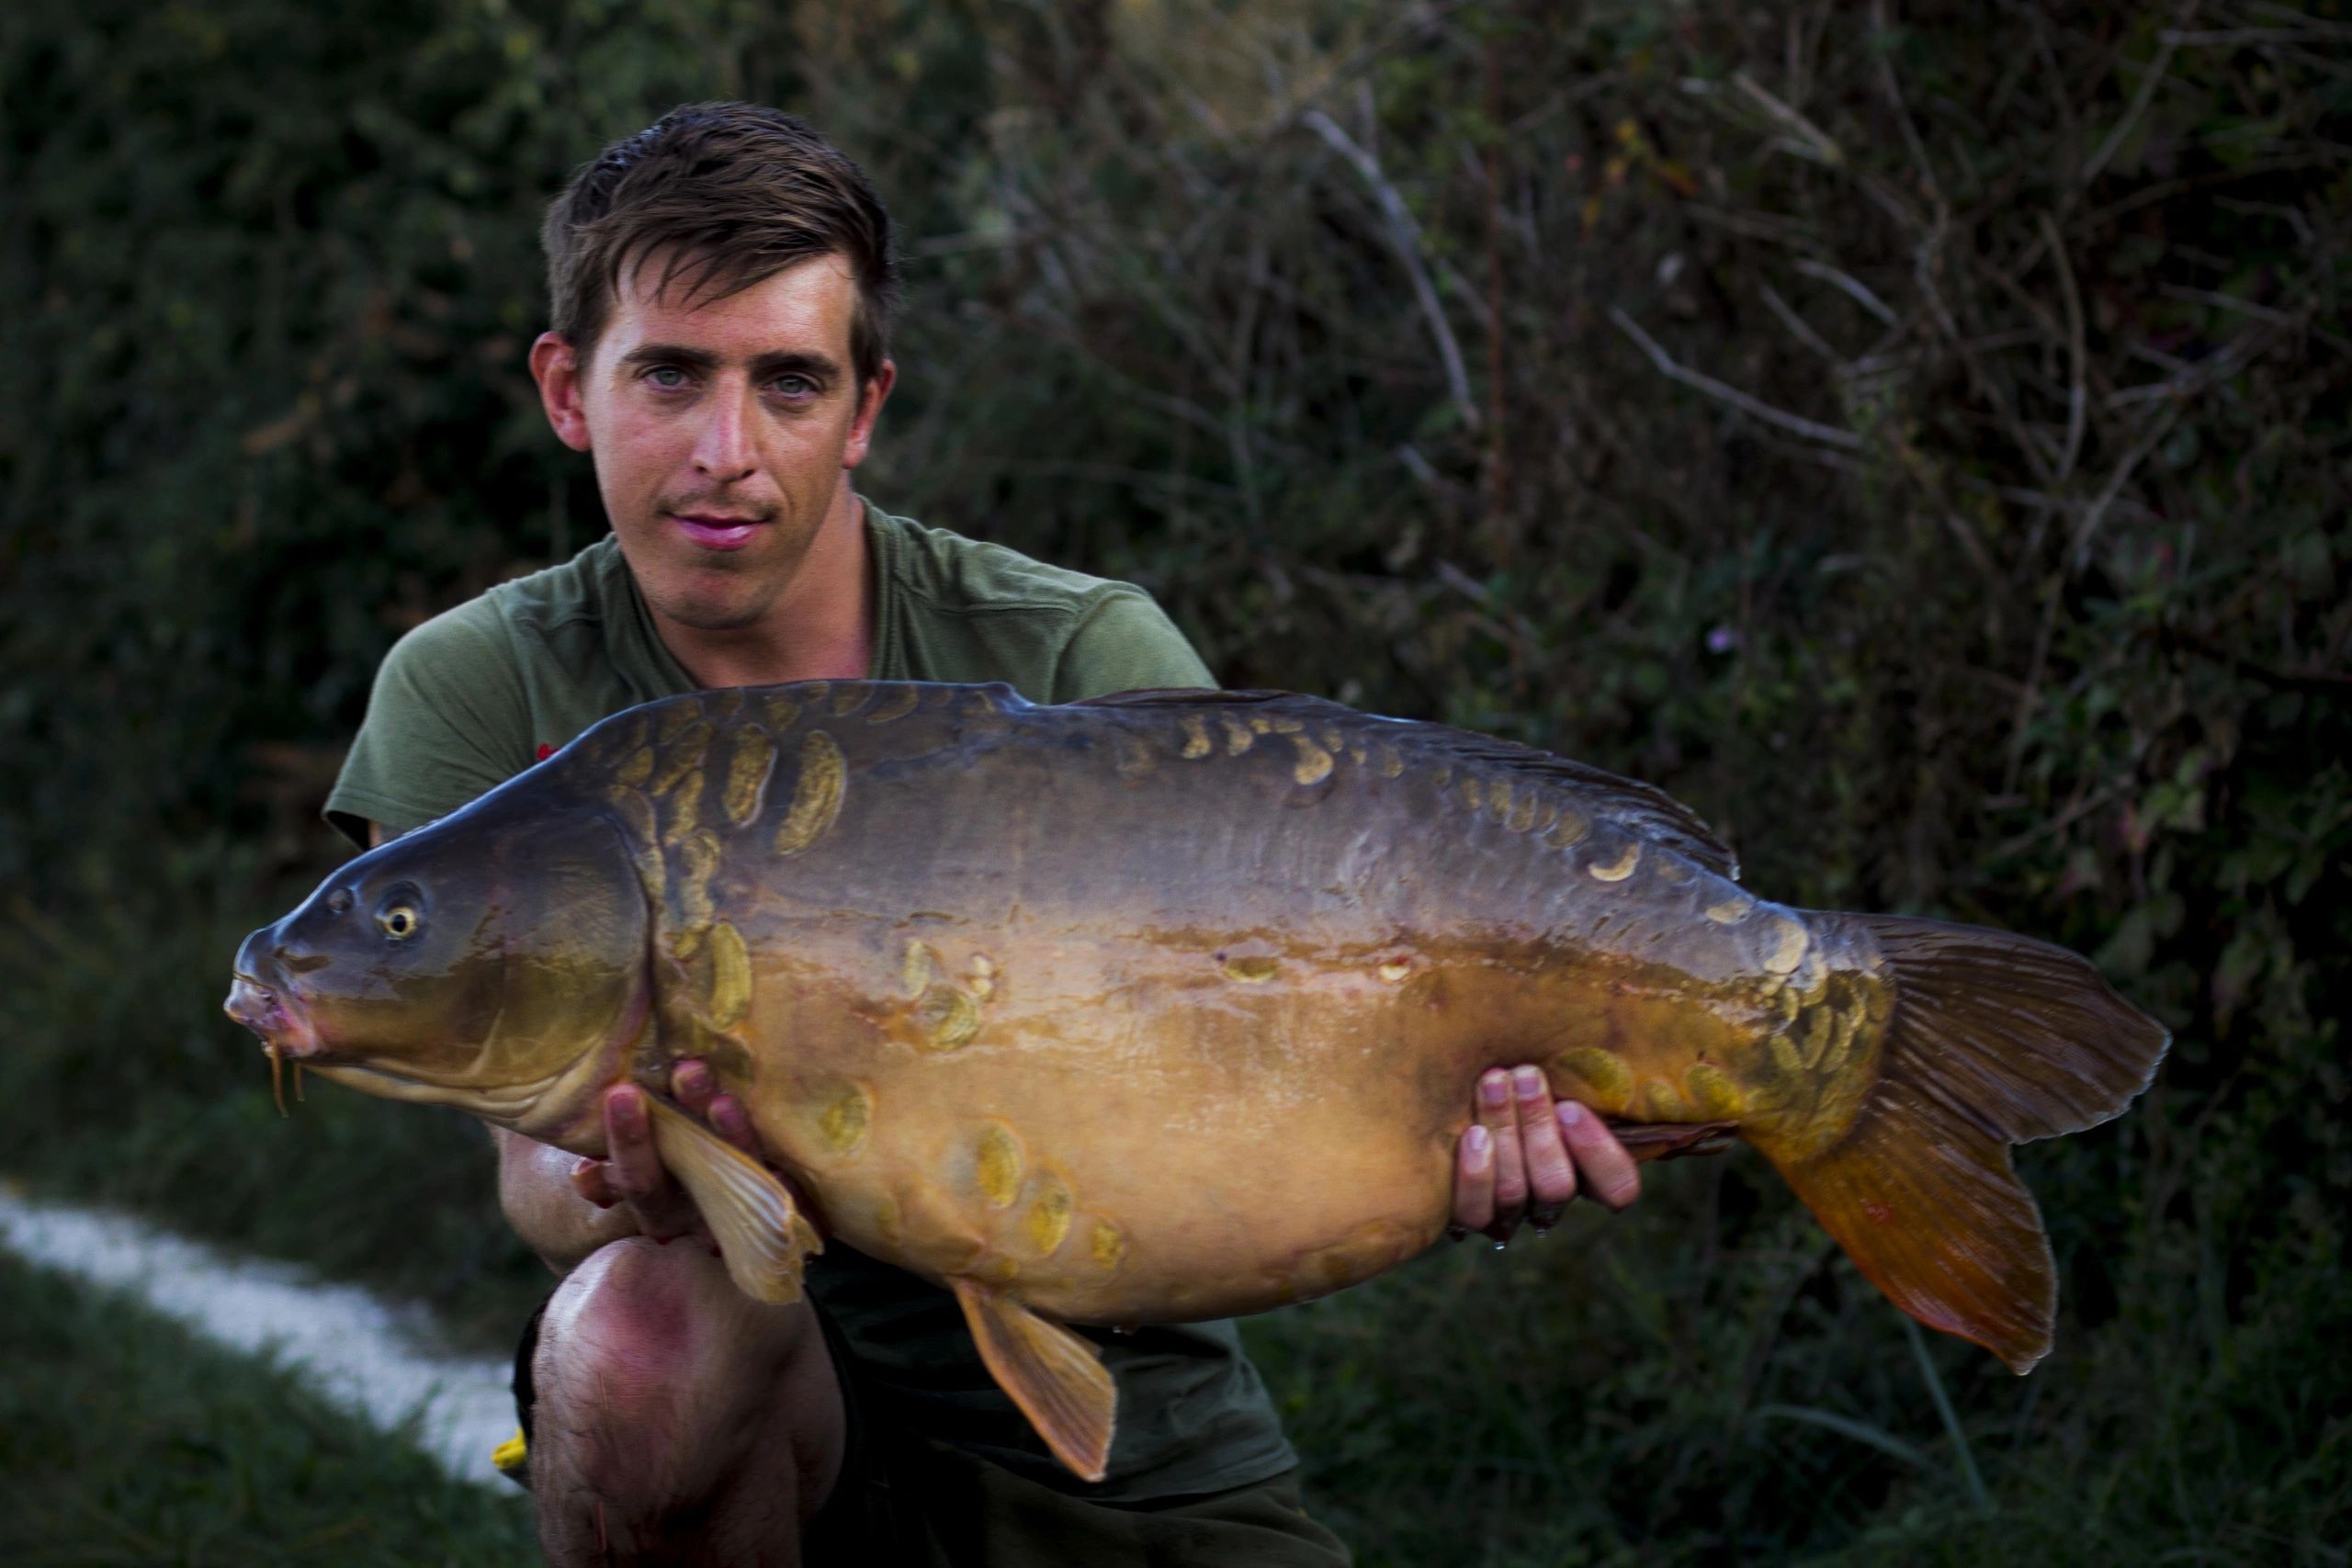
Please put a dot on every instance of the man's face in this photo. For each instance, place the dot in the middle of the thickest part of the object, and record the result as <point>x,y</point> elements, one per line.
<point>722,430</point>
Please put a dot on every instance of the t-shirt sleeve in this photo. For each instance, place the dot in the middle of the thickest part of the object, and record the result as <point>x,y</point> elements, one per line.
<point>447,720</point>
<point>1126,643</point>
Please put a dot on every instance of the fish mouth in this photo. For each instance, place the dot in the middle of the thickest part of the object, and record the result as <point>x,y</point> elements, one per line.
<point>275,1014</point>
<point>284,1025</point>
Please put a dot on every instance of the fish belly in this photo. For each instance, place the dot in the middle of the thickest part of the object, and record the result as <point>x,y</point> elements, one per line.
<point>1170,1150</point>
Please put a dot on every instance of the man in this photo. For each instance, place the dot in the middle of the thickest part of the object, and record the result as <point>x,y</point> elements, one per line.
<point>722,287</point>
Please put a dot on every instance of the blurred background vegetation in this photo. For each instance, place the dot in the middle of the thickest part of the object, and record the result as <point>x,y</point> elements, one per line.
<point>1916,435</point>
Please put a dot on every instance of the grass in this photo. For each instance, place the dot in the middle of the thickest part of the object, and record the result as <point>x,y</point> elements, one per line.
<point>125,1441</point>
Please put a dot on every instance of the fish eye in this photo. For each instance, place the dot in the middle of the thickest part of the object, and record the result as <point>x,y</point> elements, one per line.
<point>400,915</point>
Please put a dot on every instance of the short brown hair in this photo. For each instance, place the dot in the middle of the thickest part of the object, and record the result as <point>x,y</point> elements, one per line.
<point>734,193</point>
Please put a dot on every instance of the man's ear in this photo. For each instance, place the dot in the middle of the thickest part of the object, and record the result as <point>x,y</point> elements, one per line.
<point>556,370</point>
<point>869,408</point>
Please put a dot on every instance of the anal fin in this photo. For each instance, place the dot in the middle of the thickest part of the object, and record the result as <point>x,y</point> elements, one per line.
<point>760,1232</point>
<point>1056,1378</point>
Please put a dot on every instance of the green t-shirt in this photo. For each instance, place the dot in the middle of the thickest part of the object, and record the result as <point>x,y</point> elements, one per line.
<point>467,699</point>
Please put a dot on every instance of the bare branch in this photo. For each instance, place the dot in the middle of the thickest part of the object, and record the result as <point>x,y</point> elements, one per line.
<point>1901,112</point>
<point>1725,393</point>
<point>2077,400</point>
<point>1805,139</point>
<point>1855,289</point>
<point>2168,41</point>
<point>2180,389</point>
<point>1798,328</point>
<point>1406,235</point>
<point>2187,380</point>
<point>1768,227</point>
<point>2315,32</point>
<point>2230,302</point>
<point>2164,190</point>
<point>2096,513</point>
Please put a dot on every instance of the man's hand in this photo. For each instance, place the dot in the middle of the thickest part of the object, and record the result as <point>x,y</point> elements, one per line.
<point>632,1172</point>
<point>1525,1146</point>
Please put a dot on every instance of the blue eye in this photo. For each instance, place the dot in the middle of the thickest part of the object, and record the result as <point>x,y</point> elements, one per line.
<point>795,386</point>
<point>669,377</point>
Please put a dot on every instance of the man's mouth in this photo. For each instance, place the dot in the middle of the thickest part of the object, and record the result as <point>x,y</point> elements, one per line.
<point>715,531</point>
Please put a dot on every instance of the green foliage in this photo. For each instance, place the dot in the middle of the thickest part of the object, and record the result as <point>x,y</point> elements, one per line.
<point>1920,444</point>
<point>125,1441</point>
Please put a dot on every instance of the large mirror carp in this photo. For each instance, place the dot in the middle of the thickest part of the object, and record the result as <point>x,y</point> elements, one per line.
<point>1042,1002</point>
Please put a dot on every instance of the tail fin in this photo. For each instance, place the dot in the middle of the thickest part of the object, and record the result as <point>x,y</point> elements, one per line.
<point>1995,1040</point>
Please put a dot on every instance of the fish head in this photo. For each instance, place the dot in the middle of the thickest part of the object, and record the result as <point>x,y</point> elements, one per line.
<point>496,961</point>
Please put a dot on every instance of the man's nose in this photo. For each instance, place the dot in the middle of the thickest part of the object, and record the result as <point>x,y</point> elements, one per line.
<point>723,450</point>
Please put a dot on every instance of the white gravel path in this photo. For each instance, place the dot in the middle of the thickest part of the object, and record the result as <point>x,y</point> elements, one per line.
<point>370,1358</point>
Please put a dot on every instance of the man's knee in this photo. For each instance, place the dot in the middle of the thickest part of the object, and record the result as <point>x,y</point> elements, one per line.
<point>661,1388</point>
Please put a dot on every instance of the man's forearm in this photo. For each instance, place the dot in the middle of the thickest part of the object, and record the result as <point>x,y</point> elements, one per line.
<point>534,1189</point>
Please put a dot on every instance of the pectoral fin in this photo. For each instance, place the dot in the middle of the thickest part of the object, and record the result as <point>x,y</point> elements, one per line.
<point>762,1234</point>
<point>1056,1378</point>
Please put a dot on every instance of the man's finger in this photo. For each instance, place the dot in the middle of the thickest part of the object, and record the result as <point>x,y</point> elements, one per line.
<point>697,1089</point>
<point>1550,1174</point>
<point>633,1167</point>
<point>732,1123</point>
<point>1474,1180</point>
<point>628,1135</point>
<point>1608,1171</point>
<point>691,1085</point>
<point>1499,1115</point>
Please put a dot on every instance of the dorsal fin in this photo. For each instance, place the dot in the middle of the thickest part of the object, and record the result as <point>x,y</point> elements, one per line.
<point>1637,808</point>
